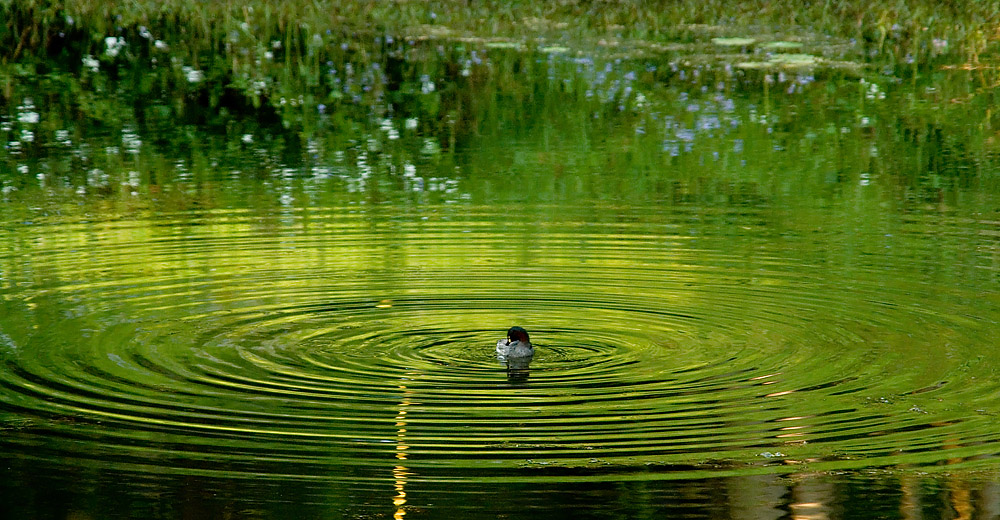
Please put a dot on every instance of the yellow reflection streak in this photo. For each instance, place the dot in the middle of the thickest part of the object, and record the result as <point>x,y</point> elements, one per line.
<point>400,473</point>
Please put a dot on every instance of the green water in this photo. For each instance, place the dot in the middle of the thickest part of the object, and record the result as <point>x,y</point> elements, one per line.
<point>754,290</point>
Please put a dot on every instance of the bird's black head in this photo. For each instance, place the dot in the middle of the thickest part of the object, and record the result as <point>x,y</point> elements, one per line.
<point>517,334</point>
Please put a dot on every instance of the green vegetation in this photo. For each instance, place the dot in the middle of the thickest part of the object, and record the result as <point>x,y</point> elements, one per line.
<point>341,88</point>
<point>968,29</point>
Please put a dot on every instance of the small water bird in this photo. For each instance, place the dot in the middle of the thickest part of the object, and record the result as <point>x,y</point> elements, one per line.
<point>517,345</point>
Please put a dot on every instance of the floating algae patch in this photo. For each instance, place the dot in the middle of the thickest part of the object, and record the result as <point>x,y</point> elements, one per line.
<point>493,43</point>
<point>503,45</point>
<point>430,32</point>
<point>794,60</point>
<point>781,46</point>
<point>788,61</point>
<point>754,65</point>
<point>734,42</point>
<point>663,47</point>
<point>844,65</point>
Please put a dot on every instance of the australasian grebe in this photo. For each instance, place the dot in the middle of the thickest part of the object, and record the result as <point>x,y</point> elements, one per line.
<point>516,345</point>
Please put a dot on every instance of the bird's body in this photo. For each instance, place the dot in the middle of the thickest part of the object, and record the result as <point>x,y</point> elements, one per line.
<point>516,346</point>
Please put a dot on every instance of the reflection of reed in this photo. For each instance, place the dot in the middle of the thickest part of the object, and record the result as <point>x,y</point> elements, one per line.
<point>756,497</point>
<point>400,473</point>
<point>960,499</point>
<point>812,498</point>
<point>958,490</point>
<point>910,507</point>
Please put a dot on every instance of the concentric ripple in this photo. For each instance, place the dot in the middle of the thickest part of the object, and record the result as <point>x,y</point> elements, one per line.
<point>333,343</point>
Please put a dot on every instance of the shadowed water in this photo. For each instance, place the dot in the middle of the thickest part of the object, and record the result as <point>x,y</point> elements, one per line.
<point>742,304</point>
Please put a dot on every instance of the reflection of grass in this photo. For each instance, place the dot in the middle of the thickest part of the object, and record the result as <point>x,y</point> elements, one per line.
<point>258,88</point>
<point>902,27</point>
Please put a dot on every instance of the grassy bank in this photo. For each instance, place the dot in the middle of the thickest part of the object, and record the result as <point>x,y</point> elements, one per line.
<point>969,30</point>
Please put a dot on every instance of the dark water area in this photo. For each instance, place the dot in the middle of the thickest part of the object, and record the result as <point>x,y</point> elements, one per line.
<point>761,281</point>
<point>748,496</point>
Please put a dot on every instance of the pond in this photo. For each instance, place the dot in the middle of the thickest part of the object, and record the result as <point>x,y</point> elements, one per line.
<point>760,279</point>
